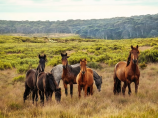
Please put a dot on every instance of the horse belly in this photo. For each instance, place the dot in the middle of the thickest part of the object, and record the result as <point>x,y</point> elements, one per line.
<point>120,74</point>
<point>134,78</point>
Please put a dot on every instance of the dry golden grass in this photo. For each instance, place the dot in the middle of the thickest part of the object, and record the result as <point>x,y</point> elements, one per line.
<point>102,104</point>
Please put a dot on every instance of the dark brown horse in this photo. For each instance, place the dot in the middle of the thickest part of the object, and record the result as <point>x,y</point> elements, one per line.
<point>46,84</point>
<point>31,78</point>
<point>85,79</point>
<point>69,74</point>
<point>127,72</point>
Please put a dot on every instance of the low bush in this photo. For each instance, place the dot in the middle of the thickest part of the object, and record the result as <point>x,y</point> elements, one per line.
<point>55,61</point>
<point>22,68</point>
<point>19,78</point>
<point>142,65</point>
<point>94,65</point>
<point>5,65</point>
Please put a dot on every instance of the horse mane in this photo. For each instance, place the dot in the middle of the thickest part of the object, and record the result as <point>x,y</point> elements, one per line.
<point>128,59</point>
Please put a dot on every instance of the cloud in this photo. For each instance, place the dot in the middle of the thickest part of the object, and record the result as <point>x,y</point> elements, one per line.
<point>74,9</point>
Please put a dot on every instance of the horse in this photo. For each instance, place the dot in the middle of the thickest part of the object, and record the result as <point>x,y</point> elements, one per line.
<point>69,74</point>
<point>127,72</point>
<point>85,79</point>
<point>31,78</point>
<point>47,85</point>
<point>58,70</point>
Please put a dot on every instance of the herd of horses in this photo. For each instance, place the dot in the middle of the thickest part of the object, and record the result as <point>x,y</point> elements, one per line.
<point>39,82</point>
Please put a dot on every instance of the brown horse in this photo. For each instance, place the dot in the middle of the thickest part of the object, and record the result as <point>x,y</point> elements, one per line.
<point>46,84</point>
<point>127,72</point>
<point>85,79</point>
<point>69,74</point>
<point>31,78</point>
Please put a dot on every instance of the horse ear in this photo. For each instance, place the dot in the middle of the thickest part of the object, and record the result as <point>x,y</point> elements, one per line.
<point>44,56</point>
<point>39,56</point>
<point>66,54</point>
<point>62,54</point>
<point>85,59</point>
<point>128,59</point>
<point>137,46</point>
<point>131,46</point>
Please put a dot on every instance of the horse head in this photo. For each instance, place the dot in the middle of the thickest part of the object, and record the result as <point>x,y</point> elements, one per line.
<point>58,94</point>
<point>133,56</point>
<point>64,60</point>
<point>42,60</point>
<point>99,85</point>
<point>83,64</point>
<point>54,86</point>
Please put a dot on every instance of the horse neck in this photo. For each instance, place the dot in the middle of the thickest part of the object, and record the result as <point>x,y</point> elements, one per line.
<point>83,76</point>
<point>38,71</point>
<point>133,66</point>
<point>66,70</point>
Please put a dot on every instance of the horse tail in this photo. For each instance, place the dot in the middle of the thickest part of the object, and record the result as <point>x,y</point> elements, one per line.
<point>118,88</point>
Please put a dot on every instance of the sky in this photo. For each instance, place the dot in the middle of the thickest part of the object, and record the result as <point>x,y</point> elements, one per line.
<point>53,10</point>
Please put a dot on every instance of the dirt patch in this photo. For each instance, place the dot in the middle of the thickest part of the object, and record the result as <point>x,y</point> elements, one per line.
<point>143,48</point>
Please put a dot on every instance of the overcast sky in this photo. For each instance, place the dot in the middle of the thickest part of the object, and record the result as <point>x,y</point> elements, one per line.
<point>53,10</point>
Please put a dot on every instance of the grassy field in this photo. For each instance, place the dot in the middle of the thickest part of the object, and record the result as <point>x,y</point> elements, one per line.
<point>17,57</point>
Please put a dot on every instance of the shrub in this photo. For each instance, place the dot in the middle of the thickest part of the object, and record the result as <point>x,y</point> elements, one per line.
<point>55,61</point>
<point>142,65</point>
<point>22,68</point>
<point>19,78</point>
<point>94,65</point>
<point>102,58</point>
<point>148,56</point>
<point>5,65</point>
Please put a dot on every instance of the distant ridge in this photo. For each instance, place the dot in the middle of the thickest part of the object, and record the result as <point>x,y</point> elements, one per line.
<point>141,26</point>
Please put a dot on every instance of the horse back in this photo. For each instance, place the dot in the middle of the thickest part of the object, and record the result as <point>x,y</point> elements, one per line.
<point>41,81</point>
<point>30,79</point>
<point>119,70</point>
<point>89,76</point>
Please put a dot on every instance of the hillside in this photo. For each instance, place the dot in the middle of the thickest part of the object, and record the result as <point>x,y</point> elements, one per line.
<point>18,54</point>
<point>114,28</point>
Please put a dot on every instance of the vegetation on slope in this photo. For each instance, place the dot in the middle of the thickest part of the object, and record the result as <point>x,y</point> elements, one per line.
<point>142,26</point>
<point>18,54</point>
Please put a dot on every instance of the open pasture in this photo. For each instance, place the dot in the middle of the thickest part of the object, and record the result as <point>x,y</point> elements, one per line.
<point>17,56</point>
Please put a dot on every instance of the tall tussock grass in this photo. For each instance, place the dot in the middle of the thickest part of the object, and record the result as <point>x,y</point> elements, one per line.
<point>18,54</point>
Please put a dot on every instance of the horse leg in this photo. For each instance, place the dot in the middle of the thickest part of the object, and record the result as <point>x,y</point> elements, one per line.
<point>46,94</point>
<point>136,86</point>
<point>33,96</point>
<point>79,91</point>
<point>118,86</point>
<point>129,89</point>
<point>40,93</point>
<point>65,86</point>
<point>36,94</point>
<point>26,93</point>
<point>115,85</point>
<point>43,98</point>
<point>71,89</point>
<point>85,90</point>
<point>88,91</point>
<point>124,88</point>
<point>91,89</point>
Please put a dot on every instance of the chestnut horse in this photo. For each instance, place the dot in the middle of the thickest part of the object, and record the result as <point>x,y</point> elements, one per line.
<point>127,72</point>
<point>31,78</point>
<point>46,84</point>
<point>85,79</point>
<point>69,74</point>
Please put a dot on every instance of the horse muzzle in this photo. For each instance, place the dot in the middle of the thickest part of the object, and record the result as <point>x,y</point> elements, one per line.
<point>83,72</point>
<point>64,66</point>
<point>135,61</point>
